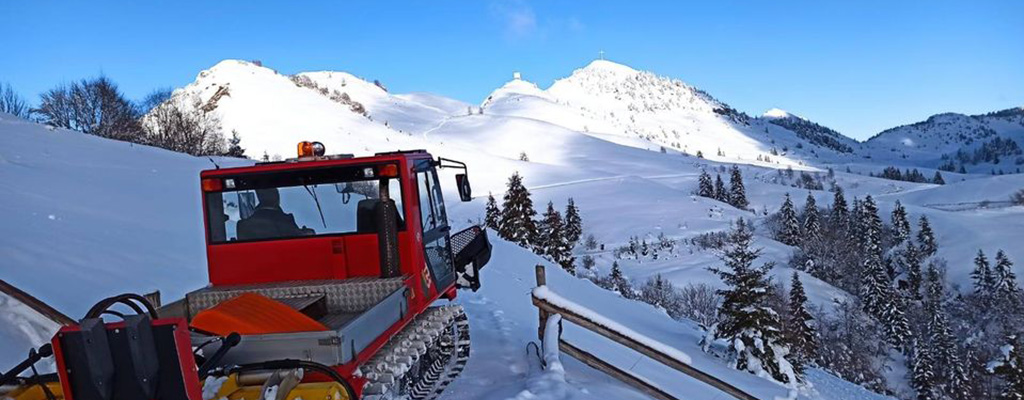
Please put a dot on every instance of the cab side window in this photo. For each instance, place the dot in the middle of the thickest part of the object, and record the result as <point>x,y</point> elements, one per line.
<point>431,207</point>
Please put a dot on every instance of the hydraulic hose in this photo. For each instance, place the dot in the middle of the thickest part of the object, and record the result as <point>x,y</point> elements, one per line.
<point>229,342</point>
<point>131,300</point>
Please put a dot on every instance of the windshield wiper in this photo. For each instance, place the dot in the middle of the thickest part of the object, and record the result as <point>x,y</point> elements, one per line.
<point>312,192</point>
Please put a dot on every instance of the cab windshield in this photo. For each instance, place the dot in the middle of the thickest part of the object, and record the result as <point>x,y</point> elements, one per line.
<point>299,204</point>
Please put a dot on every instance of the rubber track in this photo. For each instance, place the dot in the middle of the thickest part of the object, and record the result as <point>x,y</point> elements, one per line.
<point>420,361</point>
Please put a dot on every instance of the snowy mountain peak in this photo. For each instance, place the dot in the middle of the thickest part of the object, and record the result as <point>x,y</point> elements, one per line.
<point>230,67</point>
<point>777,113</point>
<point>515,87</point>
<point>608,66</point>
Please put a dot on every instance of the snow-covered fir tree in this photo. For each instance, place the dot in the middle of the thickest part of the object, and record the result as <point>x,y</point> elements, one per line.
<point>911,260</point>
<point>982,275</point>
<point>811,221</point>
<point>1011,367</point>
<point>839,213</point>
<point>900,223</point>
<point>877,290</point>
<point>516,224</point>
<point>800,334</point>
<point>737,192</point>
<point>492,214</point>
<point>551,240</point>
<point>573,224</point>
<point>922,374</point>
<point>550,232</point>
<point>618,282</point>
<point>950,376</point>
<point>705,188</point>
<point>852,345</point>
<point>748,323</point>
<point>235,146</point>
<point>721,193</point>
<point>856,224</point>
<point>937,179</point>
<point>789,224</point>
<point>659,293</point>
<point>1004,281</point>
<point>926,238</point>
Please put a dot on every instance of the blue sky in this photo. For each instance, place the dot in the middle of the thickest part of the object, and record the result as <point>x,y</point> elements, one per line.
<point>859,67</point>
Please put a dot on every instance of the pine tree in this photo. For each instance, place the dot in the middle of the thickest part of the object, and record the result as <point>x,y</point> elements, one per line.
<point>982,275</point>
<point>551,240</point>
<point>492,215</point>
<point>948,370</point>
<point>748,323</point>
<point>235,146</point>
<point>812,224</point>
<point>705,188</point>
<point>912,262</point>
<point>801,335</point>
<point>721,194</point>
<point>937,179</point>
<point>619,282</point>
<point>876,290</point>
<point>550,232</point>
<point>839,214</point>
<point>900,224</point>
<point>516,224</point>
<point>789,231</point>
<point>926,238</point>
<point>923,373</point>
<point>616,274</point>
<point>873,291</point>
<point>573,224</point>
<point>1011,368</point>
<point>1004,281</point>
<point>856,224</point>
<point>737,193</point>
<point>658,292</point>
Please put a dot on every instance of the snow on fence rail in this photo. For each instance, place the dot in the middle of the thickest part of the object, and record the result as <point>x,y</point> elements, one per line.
<point>550,304</point>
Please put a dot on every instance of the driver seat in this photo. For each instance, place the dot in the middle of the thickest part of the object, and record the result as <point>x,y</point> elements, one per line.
<point>366,211</point>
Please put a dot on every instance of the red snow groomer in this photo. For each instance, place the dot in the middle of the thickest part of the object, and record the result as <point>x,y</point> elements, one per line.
<point>324,273</point>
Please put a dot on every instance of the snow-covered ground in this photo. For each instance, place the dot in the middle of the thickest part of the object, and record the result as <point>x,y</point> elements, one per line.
<point>86,217</point>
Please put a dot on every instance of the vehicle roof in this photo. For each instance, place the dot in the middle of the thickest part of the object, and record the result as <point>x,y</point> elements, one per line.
<point>293,164</point>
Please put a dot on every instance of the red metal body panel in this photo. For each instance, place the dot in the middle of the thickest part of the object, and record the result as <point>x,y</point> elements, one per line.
<point>332,257</point>
<point>319,257</point>
<point>190,373</point>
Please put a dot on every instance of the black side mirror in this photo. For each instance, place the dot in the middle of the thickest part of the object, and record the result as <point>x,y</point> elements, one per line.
<point>465,192</point>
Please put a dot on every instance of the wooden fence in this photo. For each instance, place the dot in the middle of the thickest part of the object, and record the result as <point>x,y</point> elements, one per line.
<point>546,309</point>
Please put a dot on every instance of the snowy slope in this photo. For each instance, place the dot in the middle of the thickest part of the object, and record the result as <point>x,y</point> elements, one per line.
<point>409,113</point>
<point>636,108</point>
<point>22,328</point>
<point>924,143</point>
<point>258,102</point>
<point>86,217</point>
<point>811,131</point>
<point>135,227</point>
<point>632,107</point>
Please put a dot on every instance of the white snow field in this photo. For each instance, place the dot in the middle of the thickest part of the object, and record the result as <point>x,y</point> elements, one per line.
<point>84,217</point>
<point>22,328</point>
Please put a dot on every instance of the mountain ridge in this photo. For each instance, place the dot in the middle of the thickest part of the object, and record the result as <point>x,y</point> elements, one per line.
<point>613,102</point>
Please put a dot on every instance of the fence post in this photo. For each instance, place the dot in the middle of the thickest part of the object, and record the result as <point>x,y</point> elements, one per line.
<point>543,315</point>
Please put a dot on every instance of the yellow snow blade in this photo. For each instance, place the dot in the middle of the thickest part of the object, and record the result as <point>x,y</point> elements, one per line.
<point>35,392</point>
<point>315,390</point>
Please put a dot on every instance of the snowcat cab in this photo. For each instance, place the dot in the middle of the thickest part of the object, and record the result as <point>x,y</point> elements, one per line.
<point>323,272</point>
